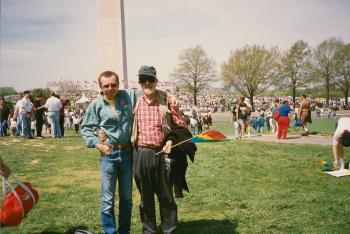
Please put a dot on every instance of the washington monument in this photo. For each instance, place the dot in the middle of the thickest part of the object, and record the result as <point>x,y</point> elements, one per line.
<point>111,48</point>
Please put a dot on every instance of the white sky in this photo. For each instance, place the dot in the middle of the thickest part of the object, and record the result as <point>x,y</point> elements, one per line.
<point>46,40</point>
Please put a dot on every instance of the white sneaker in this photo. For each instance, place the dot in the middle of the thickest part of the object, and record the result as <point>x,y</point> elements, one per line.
<point>342,166</point>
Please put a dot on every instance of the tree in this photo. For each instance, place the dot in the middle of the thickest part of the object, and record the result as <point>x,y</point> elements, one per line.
<point>342,78</point>
<point>4,91</point>
<point>326,61</point>
<point>251,70</point>
<point>195,70</point>
<point>66,88</point>
<point>45,93</point>
<point>295,69</point>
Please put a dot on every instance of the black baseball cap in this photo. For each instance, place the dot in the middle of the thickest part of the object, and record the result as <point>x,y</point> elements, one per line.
<point>147,71</point>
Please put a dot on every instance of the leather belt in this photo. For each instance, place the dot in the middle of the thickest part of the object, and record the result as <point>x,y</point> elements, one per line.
<point>152,147</point>
<point>122,146</point>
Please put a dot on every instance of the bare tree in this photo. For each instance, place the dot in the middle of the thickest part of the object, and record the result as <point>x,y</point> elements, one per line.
<point>325,62</point>
<point>251,70</point>
<point>295,69</point>
<point>195,70</point>
<point>342,78</point>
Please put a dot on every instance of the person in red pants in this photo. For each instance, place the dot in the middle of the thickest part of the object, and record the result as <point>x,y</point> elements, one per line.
<point>283,120</point>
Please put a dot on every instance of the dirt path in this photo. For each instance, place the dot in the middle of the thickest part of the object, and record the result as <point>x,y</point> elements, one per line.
<point>294,139</point>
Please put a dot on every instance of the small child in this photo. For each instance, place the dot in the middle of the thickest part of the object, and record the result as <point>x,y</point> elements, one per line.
<point>33,126</point>
<point>76,122</point>
<point>13,124</point>
<point>254,124</point>
<point>261,123</point>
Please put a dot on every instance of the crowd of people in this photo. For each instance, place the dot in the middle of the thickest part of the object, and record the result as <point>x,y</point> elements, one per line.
<point>34,116</point>
<point>276,117</point>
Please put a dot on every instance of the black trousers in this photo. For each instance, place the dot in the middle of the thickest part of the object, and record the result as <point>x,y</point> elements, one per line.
<point>152,177</point>
<point>39,125</point>
<point>76,128</point>
<point>61,123</point>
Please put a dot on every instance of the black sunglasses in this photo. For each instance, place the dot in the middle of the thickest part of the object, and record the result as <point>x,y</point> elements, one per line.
<point>144,79</point>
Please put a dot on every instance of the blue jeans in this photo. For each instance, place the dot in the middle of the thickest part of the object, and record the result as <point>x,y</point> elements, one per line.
<point>3,127</point>
<point>19,124</point>
<point>54,120</point>
<point>116,167</point>
<point>26,126</point>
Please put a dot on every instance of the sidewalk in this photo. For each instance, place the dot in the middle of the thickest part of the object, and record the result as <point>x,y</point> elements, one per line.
<point>295,139</point>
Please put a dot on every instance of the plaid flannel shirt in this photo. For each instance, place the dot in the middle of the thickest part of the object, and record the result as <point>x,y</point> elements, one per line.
<point>150,121</point>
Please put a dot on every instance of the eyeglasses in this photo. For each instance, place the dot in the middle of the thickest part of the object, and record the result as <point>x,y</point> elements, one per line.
<point>114,85</point>
<point>144,79</point>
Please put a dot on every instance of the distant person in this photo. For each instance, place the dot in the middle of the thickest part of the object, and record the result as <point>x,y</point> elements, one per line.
<point>334,114</point>
<point>242,112</point>
<point>39,110</point>
<point>4,116</point>
<point>283,120</point>
<point>305,112</point>
<point>24,112</point>
<point>273,122</point>
<point>200,124</point>
<point>13,125</point>
<point>207,121</point>
<point>268,124</point>
<point>194,124</point>
<point>236,125</point>
<point>76,123</point>
<point>18,115</point>
<point>33,126</point>
<point>261,123</point>
<point>254,124</point>
<point>64,103</point>
<point>53,106</point>
<point>341,139</point>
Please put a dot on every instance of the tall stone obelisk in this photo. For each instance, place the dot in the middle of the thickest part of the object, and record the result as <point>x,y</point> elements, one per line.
<point>110,29</point>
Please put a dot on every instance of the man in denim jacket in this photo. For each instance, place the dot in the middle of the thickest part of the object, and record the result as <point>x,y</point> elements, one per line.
<point>111,112</point>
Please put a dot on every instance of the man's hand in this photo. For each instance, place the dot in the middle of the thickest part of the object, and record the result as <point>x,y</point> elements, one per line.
<point>105,149</point>
<point>102,136</point>
<point>167,147</point>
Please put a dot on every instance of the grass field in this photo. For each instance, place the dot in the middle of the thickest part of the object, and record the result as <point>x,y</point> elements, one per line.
<point>235,187</point>
<point>319,126</point>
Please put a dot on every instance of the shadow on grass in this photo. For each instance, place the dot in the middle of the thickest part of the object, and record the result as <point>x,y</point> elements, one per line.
<point>72,136</point>
<point>293,137</point>
<point>70,231</point>
<point>207,226</point>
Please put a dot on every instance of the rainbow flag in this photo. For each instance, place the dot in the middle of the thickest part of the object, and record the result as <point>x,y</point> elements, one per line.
<point>209,136</point>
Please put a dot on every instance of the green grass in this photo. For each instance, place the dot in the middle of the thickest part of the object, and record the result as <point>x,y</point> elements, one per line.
<point>235,187</point>
<point>319,126</point>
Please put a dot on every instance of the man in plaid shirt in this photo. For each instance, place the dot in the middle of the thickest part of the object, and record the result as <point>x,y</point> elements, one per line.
<point>149,169</point>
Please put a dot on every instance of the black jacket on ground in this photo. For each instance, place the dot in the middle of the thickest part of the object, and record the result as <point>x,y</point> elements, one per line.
<point>179,155</point>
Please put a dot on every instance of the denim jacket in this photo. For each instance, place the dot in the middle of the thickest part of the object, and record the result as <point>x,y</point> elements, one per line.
<point>116,124</point>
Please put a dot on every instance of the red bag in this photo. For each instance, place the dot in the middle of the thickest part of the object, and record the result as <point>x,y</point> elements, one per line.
<point>18,203</point>
<point>276,114</point>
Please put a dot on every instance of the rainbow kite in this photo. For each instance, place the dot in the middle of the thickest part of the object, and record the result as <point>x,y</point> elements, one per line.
<point>325,164</point>
<point>209,136</point>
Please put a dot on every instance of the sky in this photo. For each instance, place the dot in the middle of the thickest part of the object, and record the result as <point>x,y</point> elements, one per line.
<point>49,40</point>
